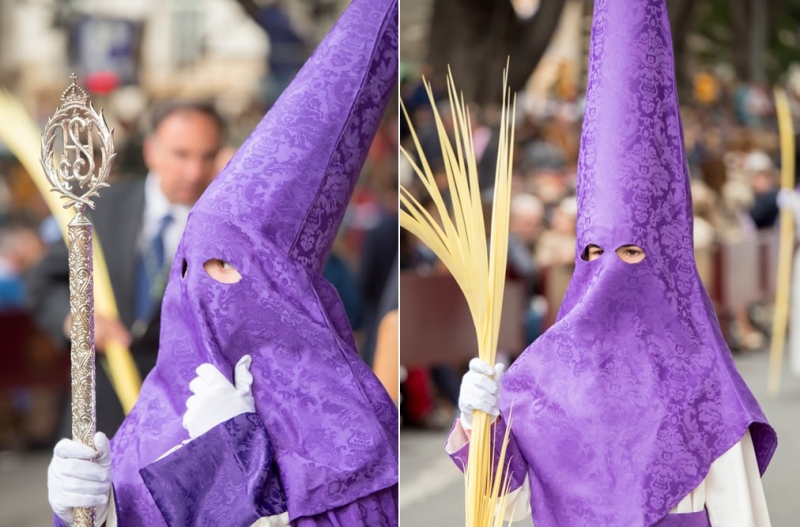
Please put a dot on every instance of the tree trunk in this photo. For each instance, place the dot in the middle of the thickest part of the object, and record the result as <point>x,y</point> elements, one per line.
<point>740,24</point>
<point>476,37</point>
<point>758,40</point>
<point>680,12</point>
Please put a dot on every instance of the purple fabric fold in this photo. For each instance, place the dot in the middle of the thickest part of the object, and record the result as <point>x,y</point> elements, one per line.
<point>514,463</point>
<point>621,407</point>
<point>378,509</point>
<point>690,519</point>
<point>224,477</point>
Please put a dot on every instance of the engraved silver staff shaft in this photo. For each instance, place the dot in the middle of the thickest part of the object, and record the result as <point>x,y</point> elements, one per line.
<point>81,303</point>
<point>75,175</point>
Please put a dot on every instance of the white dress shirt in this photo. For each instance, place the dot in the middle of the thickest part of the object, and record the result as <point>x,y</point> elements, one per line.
<point>156,206</point>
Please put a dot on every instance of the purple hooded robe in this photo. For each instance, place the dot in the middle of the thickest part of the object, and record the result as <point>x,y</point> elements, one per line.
<point>323,441</point>
<point>619,409</point>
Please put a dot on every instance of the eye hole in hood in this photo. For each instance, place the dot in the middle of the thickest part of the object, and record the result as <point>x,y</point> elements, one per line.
<point>222,271</point>
<point>591,252</point>
<point>629,253</point>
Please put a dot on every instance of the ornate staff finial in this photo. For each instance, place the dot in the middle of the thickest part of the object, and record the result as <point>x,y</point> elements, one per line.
<point>74,92</point>
<point>76,174</point>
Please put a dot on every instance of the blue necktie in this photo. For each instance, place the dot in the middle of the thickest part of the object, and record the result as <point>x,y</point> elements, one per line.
<point>151,274</point>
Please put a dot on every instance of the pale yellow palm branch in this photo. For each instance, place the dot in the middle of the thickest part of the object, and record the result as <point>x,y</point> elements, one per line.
<point>458,238</point>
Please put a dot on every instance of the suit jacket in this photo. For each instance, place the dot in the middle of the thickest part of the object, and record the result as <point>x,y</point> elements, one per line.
<point>117,222</point>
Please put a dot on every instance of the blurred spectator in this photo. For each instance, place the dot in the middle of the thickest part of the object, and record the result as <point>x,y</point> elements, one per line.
<point>5,199</point>
<point>387,358</point>
<point>703,201</point>
<point>524,229</point>
<point>378,254</point>
<point>751,104</point>
<point>557,245</point>
<point>339,274</point>
<point>20,248</point>
<point>758,167</point>
<point>525,232</point>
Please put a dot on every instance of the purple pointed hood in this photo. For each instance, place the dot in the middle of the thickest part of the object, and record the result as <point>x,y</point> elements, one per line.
<point>291,180</point>
<point>623,404</point>
<point>273,213</point>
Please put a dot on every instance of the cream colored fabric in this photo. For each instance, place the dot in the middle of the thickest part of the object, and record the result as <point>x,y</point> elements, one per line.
<point>518,503</point>
<point>111,519</point>
<point>279,520</point>
<point>734,495</point>
<point>732,491</point>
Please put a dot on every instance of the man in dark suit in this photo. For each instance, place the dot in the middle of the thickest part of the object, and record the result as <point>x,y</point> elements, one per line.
<point>139,222</point>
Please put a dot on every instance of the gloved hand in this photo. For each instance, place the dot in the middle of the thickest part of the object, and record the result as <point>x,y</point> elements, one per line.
<point>80,477</point>
<point>215,399</point>
<point>788,199</point>
<point>479,391</point>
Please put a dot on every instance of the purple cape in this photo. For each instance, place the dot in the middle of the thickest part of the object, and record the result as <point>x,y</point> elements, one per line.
<point>620,408</point>
<point>324,435</point>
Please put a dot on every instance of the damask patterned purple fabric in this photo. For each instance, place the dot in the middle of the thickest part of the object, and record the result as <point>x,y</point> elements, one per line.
<point>376,510</point>
<point>689,519</point>
<point>273,213</point>
<point>229,472</point>
<point>621,407</point>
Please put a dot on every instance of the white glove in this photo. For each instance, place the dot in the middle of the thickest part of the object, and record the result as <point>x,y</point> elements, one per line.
<point>788,199</point>
<point>74,480</point>
<point>479,391</point>
<point>215,399</point>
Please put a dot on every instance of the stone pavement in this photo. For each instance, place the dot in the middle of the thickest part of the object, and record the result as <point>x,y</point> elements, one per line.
<point>23,490</point>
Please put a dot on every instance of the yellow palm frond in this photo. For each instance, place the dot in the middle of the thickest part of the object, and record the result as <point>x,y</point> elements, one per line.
<point>786,243</point>
<point>458,238</point>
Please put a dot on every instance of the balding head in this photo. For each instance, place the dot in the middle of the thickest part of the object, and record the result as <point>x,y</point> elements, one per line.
<point>526,214</point>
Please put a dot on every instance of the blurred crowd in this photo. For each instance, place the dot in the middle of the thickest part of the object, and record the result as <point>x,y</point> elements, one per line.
<point>34,384</point>
<point>732,145</point>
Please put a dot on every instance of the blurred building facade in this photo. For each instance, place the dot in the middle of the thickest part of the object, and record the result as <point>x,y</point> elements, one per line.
<point>165,48</point>
<point>140,50</point>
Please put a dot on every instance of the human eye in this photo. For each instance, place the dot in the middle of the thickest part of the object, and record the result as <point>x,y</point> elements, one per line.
<point>222,271</point>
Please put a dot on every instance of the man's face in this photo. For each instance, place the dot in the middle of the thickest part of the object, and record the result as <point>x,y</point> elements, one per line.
<point>182,152</point>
